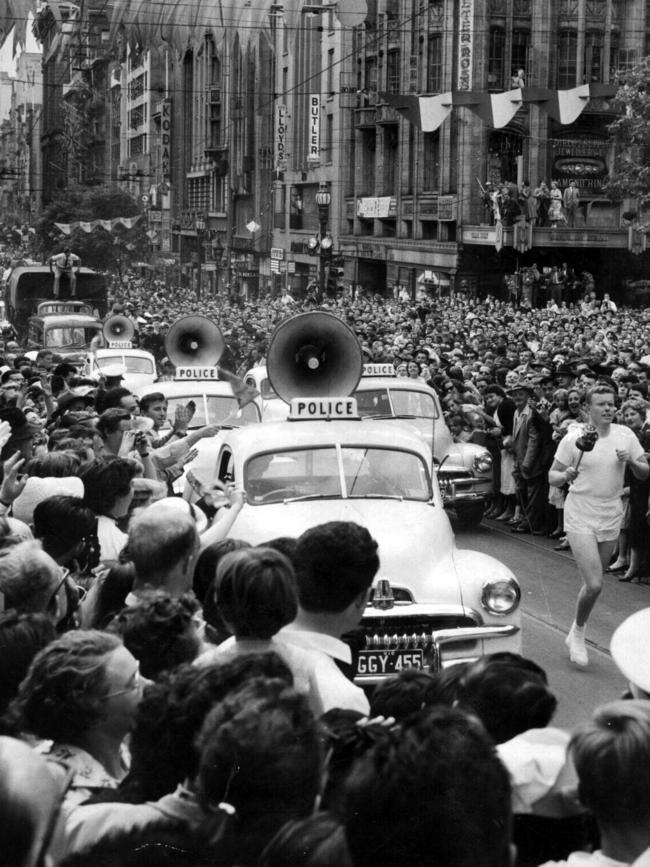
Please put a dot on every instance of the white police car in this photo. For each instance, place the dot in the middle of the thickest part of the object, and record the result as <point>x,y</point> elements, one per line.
<point>432,604</point>
<point>464,470</point>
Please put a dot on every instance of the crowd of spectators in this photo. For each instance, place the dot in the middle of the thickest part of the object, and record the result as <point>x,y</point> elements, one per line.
<point>170,695</point>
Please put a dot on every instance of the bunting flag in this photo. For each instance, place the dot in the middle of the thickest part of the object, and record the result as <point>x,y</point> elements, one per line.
<point>90,226</point>
<point>497,109</point>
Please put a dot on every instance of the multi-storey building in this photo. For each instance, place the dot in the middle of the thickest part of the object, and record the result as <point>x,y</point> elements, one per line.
<point>222,162</point>
<point>406,204</point>
<point>26,117</point>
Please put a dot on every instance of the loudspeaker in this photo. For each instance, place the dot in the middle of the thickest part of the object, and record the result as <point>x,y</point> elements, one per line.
<point>118,328</point>
<point>194,341</point>
<point>314,355</point>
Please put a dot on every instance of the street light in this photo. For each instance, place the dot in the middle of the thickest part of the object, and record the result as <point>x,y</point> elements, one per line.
<point>217,250</point>
<point>200,224</point>
<point>323,200</point>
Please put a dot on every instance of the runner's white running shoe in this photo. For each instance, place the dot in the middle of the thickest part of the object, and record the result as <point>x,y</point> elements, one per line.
<point>575,641</point>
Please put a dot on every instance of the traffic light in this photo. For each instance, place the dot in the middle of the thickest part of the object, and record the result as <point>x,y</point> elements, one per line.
<point>332,282</point>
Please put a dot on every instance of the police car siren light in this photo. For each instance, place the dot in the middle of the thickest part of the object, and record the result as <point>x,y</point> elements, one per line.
<point>194,341</point>
<point>118,328</point>
<point>314,355</point>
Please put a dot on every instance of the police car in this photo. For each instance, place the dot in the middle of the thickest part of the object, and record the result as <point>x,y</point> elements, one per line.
<point>464,470</point>
<point>432,604</point>
<point>138,364</point>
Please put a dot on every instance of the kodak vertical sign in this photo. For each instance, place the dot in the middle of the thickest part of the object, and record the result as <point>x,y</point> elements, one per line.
<point>313,147</point>
<point>166,137</point>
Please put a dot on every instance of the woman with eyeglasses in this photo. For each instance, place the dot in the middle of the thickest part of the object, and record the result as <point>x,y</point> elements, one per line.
<point>81,695</point>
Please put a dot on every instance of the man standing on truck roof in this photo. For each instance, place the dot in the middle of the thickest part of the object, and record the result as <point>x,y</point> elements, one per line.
<point>65,263</point>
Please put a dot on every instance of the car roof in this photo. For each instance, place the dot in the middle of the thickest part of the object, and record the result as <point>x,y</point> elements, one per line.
<point>117,353</point>
<point>189,387</point>
<point>254,439</point>
<point>68,319</point>
<point>368,383</point>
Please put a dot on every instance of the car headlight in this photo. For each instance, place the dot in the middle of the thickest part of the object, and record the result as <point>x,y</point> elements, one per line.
<point>483,463</point>
<point>500,595</point>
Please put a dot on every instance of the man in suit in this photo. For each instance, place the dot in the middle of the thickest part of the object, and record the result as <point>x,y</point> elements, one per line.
<point>571,203</point>
<point>528,449</point>
<point>501,410</point>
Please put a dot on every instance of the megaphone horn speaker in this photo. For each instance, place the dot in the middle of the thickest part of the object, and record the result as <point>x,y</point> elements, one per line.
<point>118,328</point>
<point>194,341</point>
<point>314,355</point>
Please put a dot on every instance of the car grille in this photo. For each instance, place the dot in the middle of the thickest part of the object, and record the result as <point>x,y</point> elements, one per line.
<point>406,632</point>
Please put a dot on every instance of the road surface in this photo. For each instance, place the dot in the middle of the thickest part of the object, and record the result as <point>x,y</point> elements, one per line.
<point>549,583</point>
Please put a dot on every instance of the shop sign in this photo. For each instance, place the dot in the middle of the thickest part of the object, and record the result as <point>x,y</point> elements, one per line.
<point>166,137</point>
<point>466,43</point>
<point>313,146</point>
<point>583,160</point>
<point>373,207</point>
<point>280,137</point>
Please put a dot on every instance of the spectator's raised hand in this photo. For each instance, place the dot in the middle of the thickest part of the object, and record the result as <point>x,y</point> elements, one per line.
<point>13,482</point>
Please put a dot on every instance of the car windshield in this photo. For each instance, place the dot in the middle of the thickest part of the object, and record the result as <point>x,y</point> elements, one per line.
<point>59,337</point>
<point>214,409</point>
<point>319,473</point>
<point>396,401</point>
<point>133,363</point>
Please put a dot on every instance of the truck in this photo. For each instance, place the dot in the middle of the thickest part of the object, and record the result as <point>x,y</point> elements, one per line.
<point>28,286</point>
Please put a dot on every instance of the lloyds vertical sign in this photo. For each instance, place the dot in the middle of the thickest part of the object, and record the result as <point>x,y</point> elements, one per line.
<point>166,138</point>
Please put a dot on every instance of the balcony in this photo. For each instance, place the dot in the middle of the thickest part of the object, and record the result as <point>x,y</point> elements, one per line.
<point>365,116</point>
<point>387,114</point>
<point>583,237</point>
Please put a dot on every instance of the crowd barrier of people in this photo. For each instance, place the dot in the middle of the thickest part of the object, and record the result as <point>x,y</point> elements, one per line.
<point>170,695</point>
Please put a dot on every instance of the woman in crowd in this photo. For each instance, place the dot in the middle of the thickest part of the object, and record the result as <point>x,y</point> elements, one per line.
<point>80,697</point>
<point>633,413</point>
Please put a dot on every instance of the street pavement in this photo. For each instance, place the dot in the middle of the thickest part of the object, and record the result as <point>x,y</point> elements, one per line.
<point>549,583</point>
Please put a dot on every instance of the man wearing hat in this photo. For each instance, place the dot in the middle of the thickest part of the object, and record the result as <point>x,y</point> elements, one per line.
<point>630,650</point>
<point>528,452</point>
<point>22,433</point>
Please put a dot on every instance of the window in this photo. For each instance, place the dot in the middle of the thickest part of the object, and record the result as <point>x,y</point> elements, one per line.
<point>567,59</point>
<point>392,72</point>
<point>138,145</point>
<point>520,50</point>
<point>593,57</point>
<point>330,72</point>
<point>431,161</point>
<point>329,138</point>
<point>496,59</point>
<point>434,63</point>
<point>214,132</point>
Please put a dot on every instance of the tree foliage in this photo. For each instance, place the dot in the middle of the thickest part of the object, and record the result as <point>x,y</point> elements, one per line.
<point>99,248</point>
<point>630,133</point>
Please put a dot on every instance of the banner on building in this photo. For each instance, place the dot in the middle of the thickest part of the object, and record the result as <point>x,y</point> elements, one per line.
<point>466,43</point>
<point>373,207</point>
<point>313,139</point>
<point>497,109</point>
<point>280,137</point>
<point>89,226</point>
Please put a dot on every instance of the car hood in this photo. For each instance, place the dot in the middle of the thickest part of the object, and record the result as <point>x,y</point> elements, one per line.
<point>416,542</point>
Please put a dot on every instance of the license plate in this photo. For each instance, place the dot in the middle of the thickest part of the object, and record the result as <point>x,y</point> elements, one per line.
<point>374,663</point>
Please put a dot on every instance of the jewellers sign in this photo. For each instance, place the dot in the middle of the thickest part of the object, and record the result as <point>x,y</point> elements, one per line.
<point>583,160</point>
<point>313,147</point>
<point>166,137</point>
